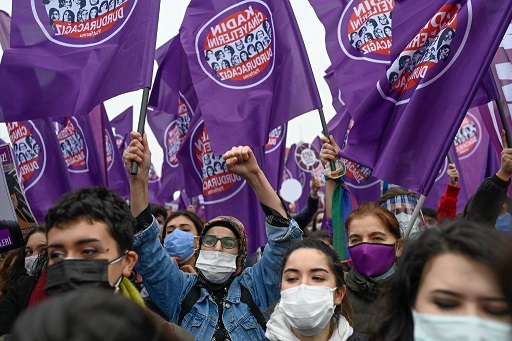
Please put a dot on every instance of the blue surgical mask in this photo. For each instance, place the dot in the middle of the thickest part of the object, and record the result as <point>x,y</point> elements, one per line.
<point>180,244</point>
<point>439,327</point>
<point>504,222</point>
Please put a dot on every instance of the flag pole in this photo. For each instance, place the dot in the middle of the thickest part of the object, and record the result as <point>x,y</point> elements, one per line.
<point>326,133</point>
<point>415,214</point>
<point>142,122</point>
<point>503,120</point>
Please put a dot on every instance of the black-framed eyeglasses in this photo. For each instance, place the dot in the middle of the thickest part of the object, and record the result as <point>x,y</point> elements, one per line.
<point>227,242</point>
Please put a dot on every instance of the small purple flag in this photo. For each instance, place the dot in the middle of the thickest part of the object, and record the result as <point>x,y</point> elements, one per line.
<point>69,57</point>
<point>122,125</point>
<point>78,147</point>
<point>250,68</point>
<point>43,171</point>
<point>275,153</point>
<point>170,131</point>
<point>452,52</point>
<point>5,27</point>
<point>224,193</point>
<point>474,150</point>
<point>117,177</point>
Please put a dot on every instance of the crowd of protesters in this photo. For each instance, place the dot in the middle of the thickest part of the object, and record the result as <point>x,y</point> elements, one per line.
<point>100,269</point>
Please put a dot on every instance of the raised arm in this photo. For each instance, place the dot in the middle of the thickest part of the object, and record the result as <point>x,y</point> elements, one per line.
<point>447,208</point>
<point>486,204</point>
<point>138,151</point>
<point>241,161</point>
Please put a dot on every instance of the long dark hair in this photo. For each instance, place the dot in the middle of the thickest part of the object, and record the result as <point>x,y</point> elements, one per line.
<point>345,309</point>
<point>190,215</point>
<point>394,319</point>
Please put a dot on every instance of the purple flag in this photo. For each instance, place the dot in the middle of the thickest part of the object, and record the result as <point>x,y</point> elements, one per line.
<point>78,147</point>
<point>452,50</point>
<point>250,69</point>
<point>117,177</point>
<point>170,131</point>
<point>5,27</point>
<point>224,193</point>
<point>474,151</point>
<point>122,125</point>
<point>358,40</point>
<point>172,83</point>
<point>2,142</point>
<point>275,151</point>
<point>69,57</point>
<point>43,171</point>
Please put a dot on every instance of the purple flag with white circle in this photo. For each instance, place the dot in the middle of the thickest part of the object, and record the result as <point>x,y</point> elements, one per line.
<point>69,56</point>
<point>250,68</point>
<point>275,152</point>
<point>447,45</point>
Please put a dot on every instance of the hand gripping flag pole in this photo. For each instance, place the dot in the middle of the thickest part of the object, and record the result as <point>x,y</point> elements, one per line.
<point>142,122</point>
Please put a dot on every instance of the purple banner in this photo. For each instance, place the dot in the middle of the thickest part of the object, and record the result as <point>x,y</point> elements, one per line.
<point>78,147</point>
<point>250,69</point>
<point>224,193</point>
<point>122,125</point>
<point>77,49</point>
<point>170,131</point>
<point>275,153</point>
<point>42,169</point>
<point>451,48</point>
<point>5,27</point>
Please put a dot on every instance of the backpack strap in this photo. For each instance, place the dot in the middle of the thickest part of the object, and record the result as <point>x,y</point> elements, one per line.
<point>245,296</point>
<point>188,302</point>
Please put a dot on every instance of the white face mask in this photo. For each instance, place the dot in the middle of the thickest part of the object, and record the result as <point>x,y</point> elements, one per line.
<point>308,309</point>
<point>216,266</point>
<point>29,264</point>
<point>403,220</point>
<point>437,327</point>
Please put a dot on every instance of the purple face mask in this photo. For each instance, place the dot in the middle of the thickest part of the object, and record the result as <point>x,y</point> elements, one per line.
<point>371,259</point>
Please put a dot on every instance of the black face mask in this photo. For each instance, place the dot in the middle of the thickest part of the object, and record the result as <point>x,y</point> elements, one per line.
<point>71,274</point>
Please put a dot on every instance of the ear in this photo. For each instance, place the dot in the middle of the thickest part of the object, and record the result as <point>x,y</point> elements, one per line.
<point>399,247</point>
<point>339,294</point>
<point>129,262</point>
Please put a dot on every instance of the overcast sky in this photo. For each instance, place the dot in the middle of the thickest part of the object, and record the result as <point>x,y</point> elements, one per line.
<point>304,128</point>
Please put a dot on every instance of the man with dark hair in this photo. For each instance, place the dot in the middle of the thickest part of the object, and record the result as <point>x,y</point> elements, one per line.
<point>90,246</point>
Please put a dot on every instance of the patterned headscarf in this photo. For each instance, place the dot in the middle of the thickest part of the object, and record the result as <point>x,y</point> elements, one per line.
<point>238,229</point>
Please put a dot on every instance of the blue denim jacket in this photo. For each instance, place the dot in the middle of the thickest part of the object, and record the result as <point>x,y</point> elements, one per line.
<point>168,285</point>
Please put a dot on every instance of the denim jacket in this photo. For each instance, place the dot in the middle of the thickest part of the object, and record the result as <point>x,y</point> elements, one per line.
<point>168,285</point>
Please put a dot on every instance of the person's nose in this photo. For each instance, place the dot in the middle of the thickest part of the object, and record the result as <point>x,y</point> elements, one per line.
<point>218,245</point>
